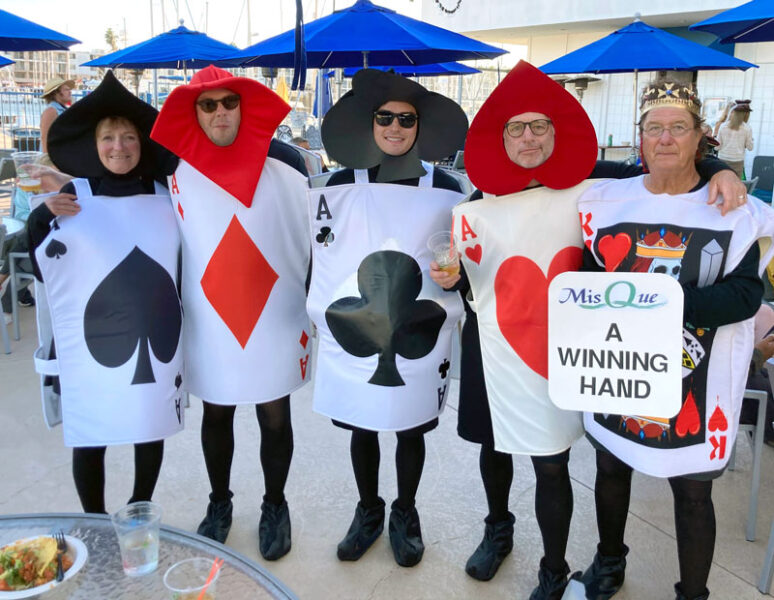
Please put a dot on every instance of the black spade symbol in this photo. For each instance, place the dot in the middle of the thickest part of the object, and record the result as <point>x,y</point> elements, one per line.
<point>387,319</point>
<point>135,304</point>
<point>444,368</point>
<point>56,224</point>
<point>178,381</point>
<point>55,249</point>
<point>325,236</point>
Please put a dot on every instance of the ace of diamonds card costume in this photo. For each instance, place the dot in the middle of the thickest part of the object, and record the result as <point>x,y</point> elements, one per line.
<point>514,241</point>
<point>242,218</point>
<point>110,274</point>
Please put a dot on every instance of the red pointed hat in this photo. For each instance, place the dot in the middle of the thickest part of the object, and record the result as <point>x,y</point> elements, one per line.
<point>236,168</point>
<point>527,89</point>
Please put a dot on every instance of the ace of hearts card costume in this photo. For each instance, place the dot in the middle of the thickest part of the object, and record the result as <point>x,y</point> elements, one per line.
<point>241,210</point>
<point>110,274</point>
<point>513,242</point>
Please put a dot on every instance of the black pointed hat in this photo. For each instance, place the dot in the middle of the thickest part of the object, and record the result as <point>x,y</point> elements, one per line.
<point>347,129</point>
<point>72,138</point>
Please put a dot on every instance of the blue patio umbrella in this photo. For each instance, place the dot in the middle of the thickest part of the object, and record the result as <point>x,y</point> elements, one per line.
<point>365,34</point>
<point>431,70</point>
<point>640,47</point>
<point>179,48</point>
<point>4,62</point>
<point>322,105</point>
<point>750,22</point>
<point>19,35</point>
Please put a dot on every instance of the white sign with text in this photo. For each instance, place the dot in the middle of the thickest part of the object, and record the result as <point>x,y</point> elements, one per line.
<point>615,343</point>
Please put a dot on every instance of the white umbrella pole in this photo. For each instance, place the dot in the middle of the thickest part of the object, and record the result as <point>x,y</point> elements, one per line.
<point>634,124</point>
<point>365,59</point>
<point>459,90</point>
<point>155,89</point>
<point>319,97</point>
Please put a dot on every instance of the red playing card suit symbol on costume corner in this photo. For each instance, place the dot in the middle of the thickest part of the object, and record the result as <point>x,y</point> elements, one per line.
<point>688,419</point>
<point>238,281</point>
<point>304,339</point>
<point>474,253</point>
<point>180,210</point>
<point>614,249</point>
<point>718,420</point>
<point>521,294</point>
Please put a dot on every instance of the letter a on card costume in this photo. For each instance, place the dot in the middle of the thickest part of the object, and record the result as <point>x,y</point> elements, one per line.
<point>243,223</point>
<point>514,242</point>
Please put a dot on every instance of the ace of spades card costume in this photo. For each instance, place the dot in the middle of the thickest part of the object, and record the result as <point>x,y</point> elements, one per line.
<point>242,220</point>
<point>385,328</point>
<point>110,274</point>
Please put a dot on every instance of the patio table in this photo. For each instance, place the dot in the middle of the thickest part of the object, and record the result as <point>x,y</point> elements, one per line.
<point>102,576</point>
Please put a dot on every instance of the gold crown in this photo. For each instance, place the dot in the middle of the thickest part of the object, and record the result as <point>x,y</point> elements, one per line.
<point>670,94</point>
<point>660,249</point>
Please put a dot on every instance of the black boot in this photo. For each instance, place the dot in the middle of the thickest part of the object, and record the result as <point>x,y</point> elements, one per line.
<point>274,530</point>
<point>366,527</point>
<point>680,596</point>
<point>405,535</point>
<point>550,585</point>
<point>217,522</point>
<point>496,545</point>
<point>605,576</point>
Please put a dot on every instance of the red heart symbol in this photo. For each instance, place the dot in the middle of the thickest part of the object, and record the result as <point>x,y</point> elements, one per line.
<point>521,293</point>
<point>717,420</point>
<point>614,249</point>
<point>688,419</point>
<point>474,253</point>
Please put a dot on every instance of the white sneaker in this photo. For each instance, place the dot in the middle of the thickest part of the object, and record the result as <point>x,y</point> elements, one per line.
<point>8,318</point>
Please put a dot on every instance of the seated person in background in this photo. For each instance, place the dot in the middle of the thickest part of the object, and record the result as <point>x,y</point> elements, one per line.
<point>758,377</point>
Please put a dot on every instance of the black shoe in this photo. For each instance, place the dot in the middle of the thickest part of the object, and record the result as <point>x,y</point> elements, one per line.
<point>274,530</point>
<point>366,527</point>
<point>405,535</point>
<point>496,545</point>
<point>680,596</point>
<point>25,297</point>
<point>550,585</point>
<point>605,576</point>
<point>217,522</point>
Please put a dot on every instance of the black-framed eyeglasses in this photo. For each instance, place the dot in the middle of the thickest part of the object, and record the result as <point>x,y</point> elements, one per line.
<point>384,118</point>
<point>516,129</point>
<point>210,105</point>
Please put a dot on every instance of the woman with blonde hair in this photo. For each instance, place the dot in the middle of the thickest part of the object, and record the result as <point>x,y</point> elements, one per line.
<point>735,136</point>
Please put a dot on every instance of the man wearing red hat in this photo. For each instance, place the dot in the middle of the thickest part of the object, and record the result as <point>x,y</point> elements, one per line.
<point>530,150</point>
<point>239,198</point>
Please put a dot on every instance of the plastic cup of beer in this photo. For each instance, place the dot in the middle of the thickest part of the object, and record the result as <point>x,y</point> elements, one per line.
<point>23,161</point>
<point>137,527</point>
<point>444,250</point>
<point>185,580</point>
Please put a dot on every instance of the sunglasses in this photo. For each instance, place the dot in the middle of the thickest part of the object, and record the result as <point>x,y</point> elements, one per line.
<point>210,105</point>
<point>516,129</point>
<point>407,120</point>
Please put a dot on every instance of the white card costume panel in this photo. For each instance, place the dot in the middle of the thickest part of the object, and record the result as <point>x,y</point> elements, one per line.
<point>246,332</point>
<point>512,247</point>
<point>628,228</point>
<point>110,275</point>
<point>384,350</point>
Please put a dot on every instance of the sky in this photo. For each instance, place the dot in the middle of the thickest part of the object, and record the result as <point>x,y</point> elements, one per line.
<point>225,20</point>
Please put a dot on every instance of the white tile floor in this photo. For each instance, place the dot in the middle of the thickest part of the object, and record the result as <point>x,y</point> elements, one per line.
<point>321,491</point>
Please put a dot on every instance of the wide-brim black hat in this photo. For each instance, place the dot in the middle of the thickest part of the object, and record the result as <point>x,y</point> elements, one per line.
<point>72,138</point>
<point>347,129</point>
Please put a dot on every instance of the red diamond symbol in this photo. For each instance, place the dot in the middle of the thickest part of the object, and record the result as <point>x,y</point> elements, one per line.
<point>180,210</point>
<point>304,339</point>
<point>238,281</point>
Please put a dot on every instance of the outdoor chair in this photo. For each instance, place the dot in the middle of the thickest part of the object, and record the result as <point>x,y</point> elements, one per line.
<point>3,326</point>
<point>751,184</point>
<point>17,278</point>
<point>763,170</point>
<point>754,434</point>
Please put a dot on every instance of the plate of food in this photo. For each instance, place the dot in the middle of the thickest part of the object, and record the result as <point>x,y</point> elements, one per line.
<point>28,566</point>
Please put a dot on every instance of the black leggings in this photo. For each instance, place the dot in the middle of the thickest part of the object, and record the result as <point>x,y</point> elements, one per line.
<point>553,497</point>
<point>276,446</point>
<point>694,519</point>
<point>409,462</point>
<point>89,474</point>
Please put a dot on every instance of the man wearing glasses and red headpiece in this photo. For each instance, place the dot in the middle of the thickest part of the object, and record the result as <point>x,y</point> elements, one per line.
<point>239,199</point>
<point>529,150</point>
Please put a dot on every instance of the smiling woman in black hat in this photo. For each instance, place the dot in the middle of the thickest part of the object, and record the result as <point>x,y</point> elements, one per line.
<point>107,247</point>
<point>385,332</point>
